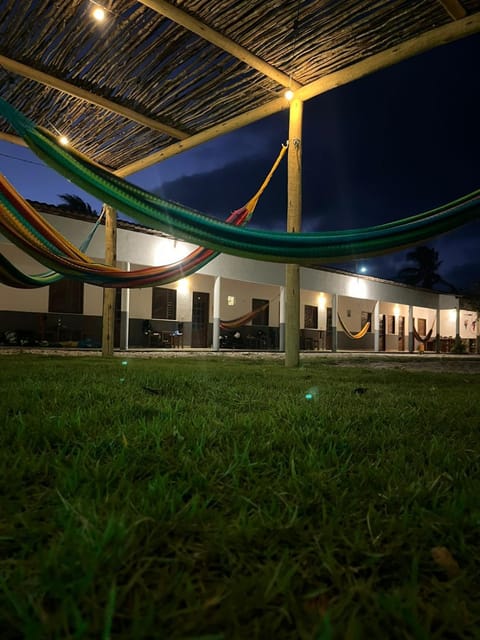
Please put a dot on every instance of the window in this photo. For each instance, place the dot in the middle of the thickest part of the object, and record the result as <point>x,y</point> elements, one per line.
<point>310,317</point>
<point>366,317</point>
<point>66,296</point>
<point>260,318</point>
<point>164,303</point>
<point>391,324</point>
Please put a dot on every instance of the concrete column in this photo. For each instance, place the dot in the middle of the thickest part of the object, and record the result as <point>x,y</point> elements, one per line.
<point>376,326</point>
<point>457,319</point>
<point>216,314</point>
<point>334,321</point>
<point>281,337</point>
<point>411,341</point>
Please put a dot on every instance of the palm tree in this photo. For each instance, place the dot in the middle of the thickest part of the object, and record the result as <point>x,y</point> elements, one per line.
<point>425,271</point>
<point>76,203</point>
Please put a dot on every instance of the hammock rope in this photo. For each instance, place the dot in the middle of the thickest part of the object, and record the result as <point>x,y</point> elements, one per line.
<point>172,218</point>
<point>30,231</point>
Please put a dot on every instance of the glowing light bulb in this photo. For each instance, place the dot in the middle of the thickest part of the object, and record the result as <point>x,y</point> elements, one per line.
<point>99,14</point>
<point>288,94</point>
<point>63,140</point>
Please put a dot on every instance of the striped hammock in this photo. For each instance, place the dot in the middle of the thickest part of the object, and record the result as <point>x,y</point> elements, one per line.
<point>26,228</point>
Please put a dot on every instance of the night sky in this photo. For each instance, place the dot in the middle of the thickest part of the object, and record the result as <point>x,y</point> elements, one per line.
<point>390,145</point>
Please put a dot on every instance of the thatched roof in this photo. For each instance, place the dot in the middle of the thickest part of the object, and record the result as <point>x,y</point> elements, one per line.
<point>143,85</point>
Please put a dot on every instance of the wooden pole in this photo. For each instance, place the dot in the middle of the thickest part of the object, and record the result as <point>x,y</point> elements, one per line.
<point>108,324</point>
<point>294,223</point>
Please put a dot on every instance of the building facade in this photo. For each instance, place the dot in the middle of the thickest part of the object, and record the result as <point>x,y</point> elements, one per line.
<point>230,303</point>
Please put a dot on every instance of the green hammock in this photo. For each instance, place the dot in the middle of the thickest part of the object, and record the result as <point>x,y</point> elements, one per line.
<point>26,228</point>
<point>13,277</point>
<point>183,223</point>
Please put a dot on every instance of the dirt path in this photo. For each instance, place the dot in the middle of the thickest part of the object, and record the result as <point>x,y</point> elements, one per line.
<point>408,362</point>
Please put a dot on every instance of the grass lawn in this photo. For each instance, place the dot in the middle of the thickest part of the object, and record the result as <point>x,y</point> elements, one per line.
<point>217,499</point>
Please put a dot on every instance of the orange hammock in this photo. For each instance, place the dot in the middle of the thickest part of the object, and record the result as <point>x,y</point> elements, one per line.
<point>354,336</point>
<point>427,337</point>
<point>242,320</point>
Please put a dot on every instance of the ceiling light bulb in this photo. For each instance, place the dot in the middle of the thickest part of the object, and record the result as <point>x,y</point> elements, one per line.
<point>99,14</point>
<point>63,140</point>
<point>288,94</point>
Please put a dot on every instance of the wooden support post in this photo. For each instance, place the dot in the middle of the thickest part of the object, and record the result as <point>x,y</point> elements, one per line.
<point>108,324</point>
<point>294,223</point>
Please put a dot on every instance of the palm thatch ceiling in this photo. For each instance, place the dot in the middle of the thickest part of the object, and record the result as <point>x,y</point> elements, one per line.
<point>157,77</point>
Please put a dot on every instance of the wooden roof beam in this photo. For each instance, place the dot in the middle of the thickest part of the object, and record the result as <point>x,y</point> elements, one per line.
<point>21,69</point>
<point>207,33</point>
<point>454,8</point>
<point>429,40</point>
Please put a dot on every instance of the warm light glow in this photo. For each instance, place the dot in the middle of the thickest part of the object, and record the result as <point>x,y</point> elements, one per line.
<point>288,95</point>
<point>99,14</point>
<point>167,250</point>
<point>183,286</point>
<point>357,288</point>
<point>396,310</point>
<point>321,302</point>
<point>231,301</point>
<point>63,140</point>
<point>452,315</point>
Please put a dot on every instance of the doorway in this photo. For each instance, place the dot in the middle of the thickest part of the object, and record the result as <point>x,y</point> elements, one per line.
<point>401,333</point>
<point>328,330</point>
<point>200,312</point>
<point>381,332</point>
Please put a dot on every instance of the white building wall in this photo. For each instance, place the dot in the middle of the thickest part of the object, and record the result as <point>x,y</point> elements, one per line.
<point>242,278</point>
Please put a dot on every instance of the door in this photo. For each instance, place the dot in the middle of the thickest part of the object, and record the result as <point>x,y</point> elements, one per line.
<point>381,333</point>
<point>328,330</point>
<point>200,308</point>
<point>401,333</point>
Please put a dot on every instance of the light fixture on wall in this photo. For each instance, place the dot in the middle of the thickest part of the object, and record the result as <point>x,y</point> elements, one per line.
<point>322,302</point>
<point>231,301</point>
<point>396,310</point>
<point>452,315</point>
